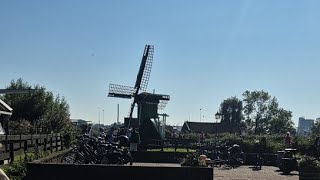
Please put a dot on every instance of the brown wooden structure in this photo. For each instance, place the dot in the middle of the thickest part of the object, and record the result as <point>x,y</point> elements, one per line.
<point>15,145</point>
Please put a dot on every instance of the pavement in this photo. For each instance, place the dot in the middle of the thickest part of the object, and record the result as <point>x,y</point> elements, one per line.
<point>250,173</point>
<point>239,173</point>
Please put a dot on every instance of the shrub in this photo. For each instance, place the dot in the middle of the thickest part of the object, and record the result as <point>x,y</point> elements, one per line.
<point>309,164</point>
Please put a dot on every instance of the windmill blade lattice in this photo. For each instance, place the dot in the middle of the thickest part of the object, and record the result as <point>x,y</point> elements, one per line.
<point>120,91</point>
<point>147,69</point>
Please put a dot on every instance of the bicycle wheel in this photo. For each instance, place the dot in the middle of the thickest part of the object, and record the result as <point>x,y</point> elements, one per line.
<point>73,158</point>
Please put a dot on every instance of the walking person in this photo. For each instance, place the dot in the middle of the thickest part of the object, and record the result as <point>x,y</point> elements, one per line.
<point>287,140</point>
<point>134,140</point>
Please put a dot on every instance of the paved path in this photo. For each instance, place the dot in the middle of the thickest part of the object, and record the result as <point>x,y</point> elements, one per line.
<point>248,173</point>
<point>240,173</point>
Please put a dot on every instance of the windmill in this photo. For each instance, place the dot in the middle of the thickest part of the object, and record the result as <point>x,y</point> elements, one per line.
<point>148,103</point>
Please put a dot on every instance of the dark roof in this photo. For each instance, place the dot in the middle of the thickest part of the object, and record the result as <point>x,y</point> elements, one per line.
<point>198,127</point>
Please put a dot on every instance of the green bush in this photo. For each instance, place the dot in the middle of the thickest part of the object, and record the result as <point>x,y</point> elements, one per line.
<point>16,170</point>
<point>69,135</point>
<point>309,164</point>
<point>274,143</point>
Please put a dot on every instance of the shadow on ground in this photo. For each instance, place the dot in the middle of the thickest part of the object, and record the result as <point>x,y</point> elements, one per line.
<point>256,168</point>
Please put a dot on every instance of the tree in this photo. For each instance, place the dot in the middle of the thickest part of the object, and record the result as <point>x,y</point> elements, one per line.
<point>255,109</point>
<point>281,122</point>
<point>315,129</point>
<point>231,110</point>
<point>39,109</point>
<point>263,114</point>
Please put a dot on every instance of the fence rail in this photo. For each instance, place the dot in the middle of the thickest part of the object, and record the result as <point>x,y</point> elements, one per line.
<point>171,143</point>
<point>15,145</point>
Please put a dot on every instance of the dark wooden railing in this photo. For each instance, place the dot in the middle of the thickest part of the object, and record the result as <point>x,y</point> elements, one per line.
<point>15,145</point>
<point>171,143</point>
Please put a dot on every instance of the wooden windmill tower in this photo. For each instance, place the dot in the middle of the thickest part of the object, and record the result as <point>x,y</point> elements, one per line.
<point>148,103</point>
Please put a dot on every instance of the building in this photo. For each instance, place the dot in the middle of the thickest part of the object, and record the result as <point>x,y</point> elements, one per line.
<point>207,127</point>
<point>304,126</point>
<point>82,126</point>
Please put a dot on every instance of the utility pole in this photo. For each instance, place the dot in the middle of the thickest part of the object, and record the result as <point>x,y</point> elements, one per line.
<point>102,116</point>
<point>118,114</point>
<point>99,115</point>
<point>200,115</point>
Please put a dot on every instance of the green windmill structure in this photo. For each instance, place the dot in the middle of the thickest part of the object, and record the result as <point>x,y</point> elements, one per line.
<point>147,121</point>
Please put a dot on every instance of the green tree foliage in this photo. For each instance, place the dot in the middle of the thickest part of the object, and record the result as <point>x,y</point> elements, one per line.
<point>39,109</point>
<point>263,114</point>
<point>315,130</point>
<point>231,110</point>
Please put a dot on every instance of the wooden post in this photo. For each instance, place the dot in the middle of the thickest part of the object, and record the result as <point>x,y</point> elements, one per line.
<point>20,144</point>
<point>45,144</point>
<point>36,148</point>
<point>25,146</point>
<point>57,147</point>
<point>162,143</point>
<point>176,145</point>
<point>11,153</point>
<point>51,143</point>
<point>61,140</point>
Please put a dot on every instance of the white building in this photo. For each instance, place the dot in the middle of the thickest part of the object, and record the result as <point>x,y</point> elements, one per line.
<point>304,126</point>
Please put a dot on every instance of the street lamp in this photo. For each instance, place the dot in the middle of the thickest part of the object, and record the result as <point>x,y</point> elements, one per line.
<point>217,116</point>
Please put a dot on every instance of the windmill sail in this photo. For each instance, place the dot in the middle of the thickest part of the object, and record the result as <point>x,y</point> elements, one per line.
<point>120,91</point>
<point>143,74</point>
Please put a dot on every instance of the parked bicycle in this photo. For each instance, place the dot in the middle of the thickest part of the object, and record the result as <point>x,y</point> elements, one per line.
<point>91,150</point>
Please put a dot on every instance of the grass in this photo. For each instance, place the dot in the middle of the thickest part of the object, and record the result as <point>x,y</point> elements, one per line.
<point>22,156</point>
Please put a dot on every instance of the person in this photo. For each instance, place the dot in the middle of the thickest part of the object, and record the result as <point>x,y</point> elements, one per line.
<point>202,137</point>
<point>94,131</point>
<point>134,140</point>
<point>110,135</point>
<point>287,140</point>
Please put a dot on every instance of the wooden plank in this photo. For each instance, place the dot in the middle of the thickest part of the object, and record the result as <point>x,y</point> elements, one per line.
<point>16,146</point>
<point>14,138</point>
<point>25,137</point>
<point>4,156</point>
<point>2,137</point>
<point>35,136</point>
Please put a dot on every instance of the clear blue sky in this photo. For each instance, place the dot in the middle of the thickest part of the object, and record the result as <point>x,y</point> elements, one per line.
<point>205,52</point>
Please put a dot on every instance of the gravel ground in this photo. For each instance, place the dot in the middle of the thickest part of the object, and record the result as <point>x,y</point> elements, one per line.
<point>248,173</point>
<point>240,173</point>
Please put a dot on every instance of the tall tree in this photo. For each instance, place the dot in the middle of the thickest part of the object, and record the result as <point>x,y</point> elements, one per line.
<point>255,109</point>
<point>231,110</point>
<point>281,122</point>
<point>263,114</point>
<point>315,129</point>
<point>39,108</point>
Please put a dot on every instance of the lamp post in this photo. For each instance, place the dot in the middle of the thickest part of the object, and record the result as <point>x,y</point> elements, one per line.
<point>217,116</point>
<point>200,115</point>
<point>103,116</point>
<point>99,115</point>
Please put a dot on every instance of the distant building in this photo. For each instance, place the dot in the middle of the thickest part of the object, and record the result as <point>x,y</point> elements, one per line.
<point>82,126</point>
<point>304,126</point>
<point>198,127</point>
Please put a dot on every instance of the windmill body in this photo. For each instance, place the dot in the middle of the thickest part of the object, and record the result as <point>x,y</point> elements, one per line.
<point>148,103</point>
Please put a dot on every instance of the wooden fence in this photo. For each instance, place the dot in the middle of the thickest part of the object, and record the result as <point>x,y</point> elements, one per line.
<point>15,145</point>
<point>171,143</point>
